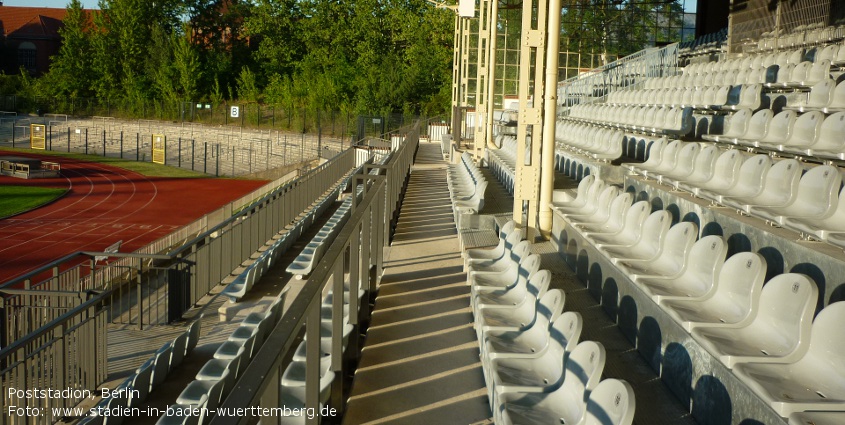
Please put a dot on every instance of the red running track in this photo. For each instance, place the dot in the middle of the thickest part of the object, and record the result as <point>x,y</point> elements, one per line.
<point>105,204</point>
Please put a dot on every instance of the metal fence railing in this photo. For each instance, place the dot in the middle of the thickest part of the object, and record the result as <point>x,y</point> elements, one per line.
<point>353,261</point>
<point>54,319</point>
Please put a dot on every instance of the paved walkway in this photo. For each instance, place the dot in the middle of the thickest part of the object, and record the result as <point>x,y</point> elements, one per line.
<point>420,361</point>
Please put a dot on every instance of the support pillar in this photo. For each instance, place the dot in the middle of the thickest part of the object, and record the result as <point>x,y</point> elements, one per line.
<point>530,128</point>
<point>547,178</point>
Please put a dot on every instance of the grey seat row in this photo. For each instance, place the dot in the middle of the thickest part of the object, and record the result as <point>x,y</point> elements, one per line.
<point>536,370</point>
<point>765,334</point>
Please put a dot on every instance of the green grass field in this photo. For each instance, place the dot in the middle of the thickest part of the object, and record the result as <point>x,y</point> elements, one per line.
<point>144,168</point>
<point>16,199</point>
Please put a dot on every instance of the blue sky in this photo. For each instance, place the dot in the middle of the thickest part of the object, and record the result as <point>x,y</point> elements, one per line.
<point>48,3</point>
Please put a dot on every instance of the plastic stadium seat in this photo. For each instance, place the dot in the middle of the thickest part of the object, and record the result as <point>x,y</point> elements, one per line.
<point>831,224</point>
<point>141,383</point>
<point>161,365</point>
<point>565,404</point>
<point>830,143</point>
<point>516,275</point>
<point>193,334</point>
<point>534,339</point>
<point>748,182</point>
<point>734,294</point>
<point>779,188</point>
<point>664,162</point>
<point>670,255</point>
<point>816,72</point>
<point>232,349</point>
<point>817,418</point>
<point>815,382</point>
<point>226,370</point>
<point>805,132</point>
<point>758,126</point>
<point>496,321</point>
<point>655,230</point>
<point>590,193</point>
<point>292,394</point>
<point>499,250</point>
<point>533,289</point>
<point>633,230</point>
<point>611,403</point>
<point>654,154</point>
<point>634,216</point>
<point>736,127</point>
<point>819,97</point>
<point>682,166</point>
<point>601,202</point>
<point>696,278</point>
<point>616,209</point>
<point>814,198</point>
<point>778,331</point>
<point>778,132</point>
<point>212,391</point>
<point>514,256</point>
<point>702,168</point>
<point>723,175</point>
<point>581,193</point>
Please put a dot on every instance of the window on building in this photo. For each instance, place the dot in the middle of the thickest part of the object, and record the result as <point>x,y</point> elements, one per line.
<point>26,56</point>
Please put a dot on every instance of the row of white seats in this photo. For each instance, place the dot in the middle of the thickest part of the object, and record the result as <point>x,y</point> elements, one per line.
<point>466,186</point>
<point>245,280</point>
<point>147,377</point>
<point>798,37</point>
<point>763,333</point>
<point>825,96</point>
<point>596,142</point>
<point>536,370</point>
<point>810,134</point>
<point>801,75</point>
<point>215,380</point>
<point>503,161</point>
<point>713,97</point>
<point>305,262</point>
<point>647,119</point>
<point>751,61</point>
<point>811,204</point>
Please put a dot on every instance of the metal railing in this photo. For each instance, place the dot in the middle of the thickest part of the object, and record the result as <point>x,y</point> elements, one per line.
<point>354,260</point>
<point>624,72</point>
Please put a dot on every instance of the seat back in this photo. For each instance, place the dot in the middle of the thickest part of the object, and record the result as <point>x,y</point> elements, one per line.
<point>655,151</point>
<point>538,283</point>
<point>738,124</point>
<point>569,324</point>
<point>162,364</point>
<point>783,178</point>
<point>787,304</point>
<point>758,125</point>
<point>669,156</point>
<point>838,98</point>
<point>737,289</point>
<point>582,373</point>
<point>679,238</point>
<point>507,229</point>
<point>830,134</point>
<point>520,251</point>
<point>819,71</point>
<point>780,128</point>
<point>141,383</point>
<point>529,266</point>
<point>818,189</point>
<point>619,206</point>
<point>821,93</point>
<point>193,335</point>
<point>752,174</point>
<point>654,229</point>
<point>551,304</point>
<point>706,259</point>
<point>704,162</point>
<point>826,342</point>
<point>686,158</point>
<point>611,403</point>
<point>805,131</point>
<point>727,166</point>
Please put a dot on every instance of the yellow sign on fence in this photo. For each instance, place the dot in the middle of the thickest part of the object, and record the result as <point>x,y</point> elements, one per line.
<point>159,148</point>
<point>38,136</point>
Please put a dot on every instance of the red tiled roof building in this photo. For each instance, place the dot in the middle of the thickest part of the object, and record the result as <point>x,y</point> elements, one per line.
<point>30,37</point>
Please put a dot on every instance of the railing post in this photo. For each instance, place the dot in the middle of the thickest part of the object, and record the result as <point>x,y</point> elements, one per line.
<point>337,399</point>
<point>312,361</point>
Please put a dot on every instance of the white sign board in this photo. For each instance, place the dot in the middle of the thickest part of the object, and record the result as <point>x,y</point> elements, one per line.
<point>235,111</point>
<point>466,8</point>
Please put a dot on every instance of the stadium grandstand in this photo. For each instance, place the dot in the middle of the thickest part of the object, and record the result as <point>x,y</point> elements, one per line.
<point>657,238</point>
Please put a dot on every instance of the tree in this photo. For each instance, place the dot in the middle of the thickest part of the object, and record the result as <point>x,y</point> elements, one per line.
<point>71,73</point>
